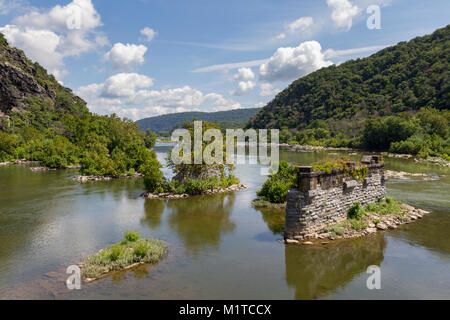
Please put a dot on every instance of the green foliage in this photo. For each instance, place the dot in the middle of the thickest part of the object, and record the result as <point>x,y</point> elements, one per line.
<point>131,236</point>
<point>379,133</point>
<point>149,139</point>
<point>8,145</point>
<point>3,42</point>
<point>356,212</point>
<point>276,188</point>
<point>370,103</point>
<point>153,177</point>
<point>59,130</point>
<point>121,255</point>
<point>141,249</point>
<point>337,229</point>
<point>384,207</point>
<point>115,252</point>
<point>358,224</point>
<point>327,165</point>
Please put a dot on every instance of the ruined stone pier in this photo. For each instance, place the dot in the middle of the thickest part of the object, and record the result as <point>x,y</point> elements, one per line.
<point>323,198</point>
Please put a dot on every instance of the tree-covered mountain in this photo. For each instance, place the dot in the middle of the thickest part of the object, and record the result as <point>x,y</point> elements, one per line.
<point>340,105</point>
<point>41,120</point>
<point>229,119</point>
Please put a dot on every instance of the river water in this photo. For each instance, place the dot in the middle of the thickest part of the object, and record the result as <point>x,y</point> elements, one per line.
<point>219,246</point>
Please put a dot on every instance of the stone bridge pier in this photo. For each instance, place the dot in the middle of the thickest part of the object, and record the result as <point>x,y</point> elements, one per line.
<point>323,198</point>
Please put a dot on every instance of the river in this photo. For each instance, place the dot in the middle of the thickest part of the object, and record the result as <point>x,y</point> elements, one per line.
<point>220,247</point>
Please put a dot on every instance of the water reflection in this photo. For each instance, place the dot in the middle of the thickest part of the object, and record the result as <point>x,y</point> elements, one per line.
<point>201,221</point>
<point>274,218</point>
<point>316,272</point>
<point>431,232</point>
<point>154,209</point>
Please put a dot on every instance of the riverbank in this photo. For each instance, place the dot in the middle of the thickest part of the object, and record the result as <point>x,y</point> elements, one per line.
<point>20,162</point>
<point>85,179</point>
<point>370,223</point>
<point>264,204</point>
<point>168,195</point>
<point>401,175</point>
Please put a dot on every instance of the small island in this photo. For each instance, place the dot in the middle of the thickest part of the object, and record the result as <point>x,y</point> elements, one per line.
<point>190,178</point>
<point>129,253</point>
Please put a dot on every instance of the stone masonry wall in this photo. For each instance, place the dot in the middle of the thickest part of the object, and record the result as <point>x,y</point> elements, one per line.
<point>322,199</point>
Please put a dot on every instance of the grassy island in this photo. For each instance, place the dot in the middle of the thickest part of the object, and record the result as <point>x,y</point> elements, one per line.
<point>128,253</point>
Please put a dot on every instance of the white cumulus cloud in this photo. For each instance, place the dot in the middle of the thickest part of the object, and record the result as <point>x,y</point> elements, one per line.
<point>302,25</point>
<point>130,95</point>
<point>148,33</point>
<point>267,89</point>
<point>126,56</point>
<point>49,36</point>
<point>243,88</point>
<point>290,63</point>
<point>244,74</point>
<point>343,12</point>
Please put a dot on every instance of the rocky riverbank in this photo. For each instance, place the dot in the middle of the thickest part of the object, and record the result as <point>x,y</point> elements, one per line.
<point>401,175</point>
<point>234,187</point>
<point>20,162</point>
<point>85,179</point>
<point>369,224</point>
<point>430,160</point>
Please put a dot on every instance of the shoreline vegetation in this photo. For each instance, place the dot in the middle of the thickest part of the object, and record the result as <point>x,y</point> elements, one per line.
<point>129,253</point>
<point>375,217</point>
<point>172,195</point>
<point>264,204</point>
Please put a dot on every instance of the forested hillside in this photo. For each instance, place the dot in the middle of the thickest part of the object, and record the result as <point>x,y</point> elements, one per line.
<point>228,119</point>
<point>382,94</point>
<point>43,121</point>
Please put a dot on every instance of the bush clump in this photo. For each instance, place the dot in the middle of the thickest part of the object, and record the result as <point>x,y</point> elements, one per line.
<point>355,211</point>
<point>132,236</point>
<point>131,250</point>
<point>276,188</point>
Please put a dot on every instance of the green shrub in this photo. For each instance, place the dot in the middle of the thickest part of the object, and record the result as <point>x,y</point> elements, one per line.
<point>153,177</point>
<point>132,236</point>
<point>115,252</point>
<point>355,211</point>
<point>141,249</point>
<point>276,188</point>
<point>385,206</point>
<point>358,224</point>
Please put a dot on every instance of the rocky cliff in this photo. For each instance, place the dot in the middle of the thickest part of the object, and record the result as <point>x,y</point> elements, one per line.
<point>23,83</point>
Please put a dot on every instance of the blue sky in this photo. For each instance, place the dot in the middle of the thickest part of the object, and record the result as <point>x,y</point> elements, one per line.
<point>142,58</point>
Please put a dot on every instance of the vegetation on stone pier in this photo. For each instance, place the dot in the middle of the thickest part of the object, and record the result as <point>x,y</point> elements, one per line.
<point>372,216</point>
<point>358,171</point>
<point>275,189</point>
<point>191,178</point>
<point>132,250</point>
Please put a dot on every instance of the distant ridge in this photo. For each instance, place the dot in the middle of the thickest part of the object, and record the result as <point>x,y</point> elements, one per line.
<point>165,123</point>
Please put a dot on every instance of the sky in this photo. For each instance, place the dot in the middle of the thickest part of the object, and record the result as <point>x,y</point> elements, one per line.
<point>142,58</point>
